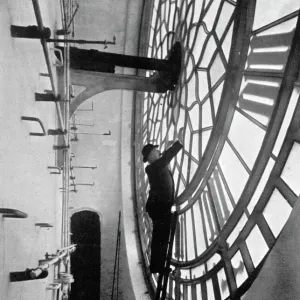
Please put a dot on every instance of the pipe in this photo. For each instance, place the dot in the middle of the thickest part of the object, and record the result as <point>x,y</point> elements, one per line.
<point>43,267</point>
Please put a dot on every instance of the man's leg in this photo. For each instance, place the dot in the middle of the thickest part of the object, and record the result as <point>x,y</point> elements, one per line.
<point>159,245</point>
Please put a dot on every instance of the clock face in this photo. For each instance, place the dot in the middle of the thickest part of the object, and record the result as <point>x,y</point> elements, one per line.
<point>236,107</point>
<point>205,33</point>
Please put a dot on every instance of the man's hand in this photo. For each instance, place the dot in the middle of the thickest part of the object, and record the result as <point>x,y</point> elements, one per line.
<point>180,136</point>
<point>169,144</point>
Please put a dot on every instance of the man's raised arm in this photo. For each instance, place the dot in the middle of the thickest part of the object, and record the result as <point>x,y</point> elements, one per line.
<point>169,154</point>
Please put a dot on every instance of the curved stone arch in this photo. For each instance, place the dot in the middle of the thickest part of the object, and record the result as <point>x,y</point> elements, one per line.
<point>83,208</point>
<point>97,82</point>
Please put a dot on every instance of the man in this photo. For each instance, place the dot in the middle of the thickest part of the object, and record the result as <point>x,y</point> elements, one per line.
<point>160,200</point>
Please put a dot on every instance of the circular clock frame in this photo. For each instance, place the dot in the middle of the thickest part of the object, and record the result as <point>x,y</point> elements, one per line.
<point>244,39</point>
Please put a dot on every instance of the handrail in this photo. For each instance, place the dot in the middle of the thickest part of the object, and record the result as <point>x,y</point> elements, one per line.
<point>45,266</point>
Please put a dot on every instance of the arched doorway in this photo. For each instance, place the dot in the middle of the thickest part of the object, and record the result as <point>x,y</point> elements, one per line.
<point>86,260</point>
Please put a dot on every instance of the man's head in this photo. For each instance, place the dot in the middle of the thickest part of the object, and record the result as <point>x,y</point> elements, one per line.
<point>150,153</point>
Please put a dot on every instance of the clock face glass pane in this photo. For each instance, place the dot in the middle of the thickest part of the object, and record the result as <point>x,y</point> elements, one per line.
<point>204,29</point>
<point>235,105</point>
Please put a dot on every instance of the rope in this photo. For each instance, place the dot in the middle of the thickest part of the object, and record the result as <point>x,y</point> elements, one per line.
<point>117,263</point>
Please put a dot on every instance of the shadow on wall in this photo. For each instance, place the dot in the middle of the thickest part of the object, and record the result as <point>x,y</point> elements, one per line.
<point>86,260</point>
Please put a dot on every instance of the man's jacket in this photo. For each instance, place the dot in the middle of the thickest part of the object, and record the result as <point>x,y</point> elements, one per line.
<point>161,194</point>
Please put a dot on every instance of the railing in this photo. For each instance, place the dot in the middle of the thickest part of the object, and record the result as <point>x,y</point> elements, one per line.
<point>62,279</point>
<point>63,255</point>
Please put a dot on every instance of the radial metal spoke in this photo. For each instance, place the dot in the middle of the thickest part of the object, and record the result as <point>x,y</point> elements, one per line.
<point>238,155</point>
<point>263,74</point>
<point>275,23</point>
<point>286,191</point>
<point>247,258</point>
<point>266,231</point>
<point>250,118</point>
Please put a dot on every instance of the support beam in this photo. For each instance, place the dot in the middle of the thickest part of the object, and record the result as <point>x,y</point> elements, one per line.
<point>166,77</point>
<point>98,82</point>
<point>94,60</point>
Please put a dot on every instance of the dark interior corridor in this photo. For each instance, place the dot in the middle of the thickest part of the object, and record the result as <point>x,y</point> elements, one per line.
<point>85,261</point>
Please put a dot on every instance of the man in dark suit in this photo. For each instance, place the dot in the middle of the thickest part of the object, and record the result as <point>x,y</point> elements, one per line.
<point>160,200</point>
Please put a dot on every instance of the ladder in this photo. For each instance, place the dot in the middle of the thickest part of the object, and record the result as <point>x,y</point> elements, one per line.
<point>164,276</point>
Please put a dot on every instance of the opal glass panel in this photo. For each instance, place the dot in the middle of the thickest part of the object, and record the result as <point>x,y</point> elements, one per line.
<point>277,212</point>
<point>291,171</point>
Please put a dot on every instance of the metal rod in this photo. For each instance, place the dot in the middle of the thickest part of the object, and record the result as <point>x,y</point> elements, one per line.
<point>45,266</point>
<point>77,6</point>
<point>87,133</point>
<point>89,184</point>
<point>68,248</point>
<point>275,23</point>
<point>72,41</point>
<point>47,58</point>
<point>83,167</point>
<point>91,125</point>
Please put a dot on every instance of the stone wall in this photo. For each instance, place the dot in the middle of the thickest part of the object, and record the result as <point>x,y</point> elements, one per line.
<point>111,154</point>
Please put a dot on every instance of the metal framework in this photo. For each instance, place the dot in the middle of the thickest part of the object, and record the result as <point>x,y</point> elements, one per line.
<point>62,107</point>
